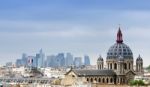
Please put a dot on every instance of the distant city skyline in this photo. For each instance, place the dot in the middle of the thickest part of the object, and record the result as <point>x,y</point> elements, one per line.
<point>81,27</point>
<point>40,60</point>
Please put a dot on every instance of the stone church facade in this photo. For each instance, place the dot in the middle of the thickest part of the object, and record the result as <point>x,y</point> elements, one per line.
<point>119,68</point>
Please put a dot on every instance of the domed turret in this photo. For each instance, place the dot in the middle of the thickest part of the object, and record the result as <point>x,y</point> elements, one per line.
<point>100,58</point>
<point>139,58</point>
<point>139,65</point>
<point>100,62</point>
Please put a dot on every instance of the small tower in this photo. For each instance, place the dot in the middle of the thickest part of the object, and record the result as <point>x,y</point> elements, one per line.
<point>100,63</point>
<point>139,65</point>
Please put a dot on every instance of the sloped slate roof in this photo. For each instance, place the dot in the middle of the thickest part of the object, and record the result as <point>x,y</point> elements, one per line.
<point>94,72</point>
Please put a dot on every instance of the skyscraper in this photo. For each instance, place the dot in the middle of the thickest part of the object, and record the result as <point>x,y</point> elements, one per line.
<point>86,60</point>
<point>51,61</point>
<point>40,59</point>
<point>69,59</point>
<point>24,59</point>
<point>78,61</point>
<point>60,60</point>
<point>18,62</point>
<point>36,59</point>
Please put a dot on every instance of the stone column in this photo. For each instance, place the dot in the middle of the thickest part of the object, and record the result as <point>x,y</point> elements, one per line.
<point>113,65</point>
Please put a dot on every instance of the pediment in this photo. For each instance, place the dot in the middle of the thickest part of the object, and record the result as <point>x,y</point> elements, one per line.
<point>71,73</point>
<point>130,73</point>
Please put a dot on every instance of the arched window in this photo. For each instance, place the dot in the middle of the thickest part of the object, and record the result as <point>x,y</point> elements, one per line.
<point>125,66</point>
<point>110,65</point>
<point>103,80</point>
<point>87,79</point>
<point>96,79</point>
<point>115,66</point>
<point>111,80</point>
<point>91,79</point>
<point>120,80</point>
<point>129,65</point>
<point>99,80</point>
<point>107,80</point>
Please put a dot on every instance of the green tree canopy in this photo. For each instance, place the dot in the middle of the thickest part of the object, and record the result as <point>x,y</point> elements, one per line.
<point>137,83</point>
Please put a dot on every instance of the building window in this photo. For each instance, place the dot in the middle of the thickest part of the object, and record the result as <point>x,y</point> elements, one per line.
<point>99,80</point>
<point>107,80</point>
<point>111,80</point>
<point>122,80</point>
<point>91,79</point>
<point>115,66</point>
<point>118,80</point>
<point>120,49</point>
<point>87,79</point>
<point>125,66</point>
<point>110,65</point>
<point>124,49</point>
<point>96,79</point>
<point>103,80</point>
<point>129,65</point>
<point>125,53</point>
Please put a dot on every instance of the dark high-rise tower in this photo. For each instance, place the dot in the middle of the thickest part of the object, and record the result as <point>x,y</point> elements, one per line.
<point>86,60</point>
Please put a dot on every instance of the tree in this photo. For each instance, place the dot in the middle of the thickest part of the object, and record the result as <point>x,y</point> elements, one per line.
<point>133,82</point>
<point>148,68</point>
<point>141,83</point>
<point>137,83</point>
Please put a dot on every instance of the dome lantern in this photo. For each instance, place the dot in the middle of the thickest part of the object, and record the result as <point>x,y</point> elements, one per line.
<point>119,36</point>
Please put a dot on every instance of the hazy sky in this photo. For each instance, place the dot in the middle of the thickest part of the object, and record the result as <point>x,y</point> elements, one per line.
<point>82,27</point>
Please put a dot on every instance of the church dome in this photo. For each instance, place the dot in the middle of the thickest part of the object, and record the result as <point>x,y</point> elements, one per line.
<point>100,58</point>
<point>139,58</point>
<point>119,48</point>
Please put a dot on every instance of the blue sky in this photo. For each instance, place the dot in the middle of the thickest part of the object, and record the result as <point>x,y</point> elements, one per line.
<point>77,26</point>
